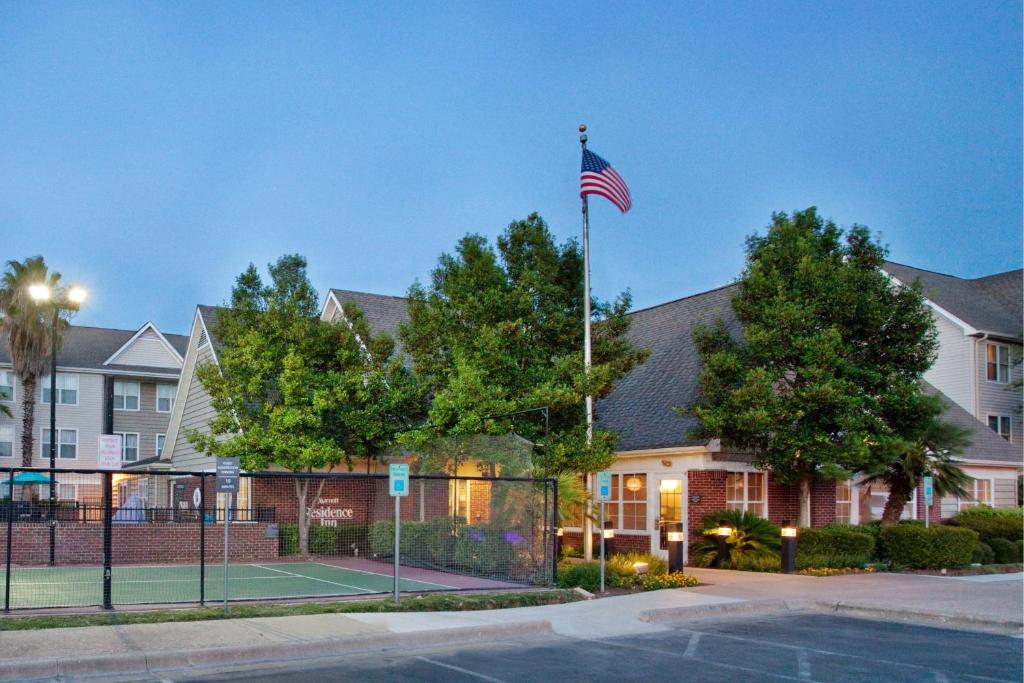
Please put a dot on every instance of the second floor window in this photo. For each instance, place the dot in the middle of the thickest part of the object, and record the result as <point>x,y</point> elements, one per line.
<point>161,439</point>
<point>67,443</point>
<point>129,446</point>
<point>1000,424</point>
<point>998,363</point>
<point>164,397</point>
<point>67,389</point>
<point>6,385</point>
<point>126,395</point>
<point>6,441</point>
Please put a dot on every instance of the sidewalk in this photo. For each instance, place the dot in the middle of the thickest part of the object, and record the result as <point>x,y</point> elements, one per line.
<point>147,648</point>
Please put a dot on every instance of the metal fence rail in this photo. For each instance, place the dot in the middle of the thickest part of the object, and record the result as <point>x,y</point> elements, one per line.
<point>158,537</point>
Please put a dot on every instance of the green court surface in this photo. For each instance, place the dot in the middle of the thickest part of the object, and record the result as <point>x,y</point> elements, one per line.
<point>40,587</point>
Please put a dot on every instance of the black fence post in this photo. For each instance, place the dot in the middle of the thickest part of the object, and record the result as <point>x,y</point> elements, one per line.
<point>108,532</point>
<point>554,532</point>
<point>202,539</point>
<point>10,538</point>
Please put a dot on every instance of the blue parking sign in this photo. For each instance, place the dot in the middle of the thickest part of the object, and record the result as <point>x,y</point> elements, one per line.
<point>604,486</point>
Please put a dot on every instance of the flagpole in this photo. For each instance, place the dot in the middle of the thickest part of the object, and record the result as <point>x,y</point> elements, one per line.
<point>588,531</point>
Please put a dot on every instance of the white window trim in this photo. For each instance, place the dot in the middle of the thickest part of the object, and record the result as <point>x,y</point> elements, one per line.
<point>973,501</point>
<point>14,387</point>
<point>156,444</point>
<point>746,489</point>
<point>74,487</point>
<point>45,385</point>
<point>138,403</point>
<point>1009,365</point>
<point>124,445</point>
<point>620,516</point>
<point>854,501</point>
<point>14,434</point>
<point>156,404</point>
<point>1009,421</point>
<point>45,452</point>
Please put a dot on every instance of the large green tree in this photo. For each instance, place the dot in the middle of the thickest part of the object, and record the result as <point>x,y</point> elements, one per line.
<point>825,376</point>
<point>26,326</point>
<point>294,392</point>
<point>499,331</point>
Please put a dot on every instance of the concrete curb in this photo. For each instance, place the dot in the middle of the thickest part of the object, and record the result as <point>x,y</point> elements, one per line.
<point>922,617</point>
<point>152,662</point>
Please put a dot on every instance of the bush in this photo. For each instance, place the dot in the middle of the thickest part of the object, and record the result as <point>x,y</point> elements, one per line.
<point>751,535</point>
<point>1020,548</point>
<point>623,562</point>
<point>917,547</point>
<point>288,539</point>
<point>834,547</point>
<point>1005,551</point>
<point>653,582</point>
<point>586,575</point>
<point>759,563</point>
<point>992,523</point>
<point>982,554</point>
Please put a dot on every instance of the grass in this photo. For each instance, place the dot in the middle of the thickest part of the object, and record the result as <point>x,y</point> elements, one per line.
<point>420,603</point>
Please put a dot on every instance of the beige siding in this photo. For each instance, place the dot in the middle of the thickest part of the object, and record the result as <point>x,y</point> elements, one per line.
<point>951,372</point>
<point>148,351</point>
<point>145,421</point>
<point>998,399</point>
<point>196,415</point>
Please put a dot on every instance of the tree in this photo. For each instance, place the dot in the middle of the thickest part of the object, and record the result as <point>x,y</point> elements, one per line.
<point>830,357</point>
<point>27,326</point>
<point>501,331</point>
<point>299,393</point>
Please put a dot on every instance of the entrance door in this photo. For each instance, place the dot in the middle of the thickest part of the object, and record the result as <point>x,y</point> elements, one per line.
<point>669,511</point>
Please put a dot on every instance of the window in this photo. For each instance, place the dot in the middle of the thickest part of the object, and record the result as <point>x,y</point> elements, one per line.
<point>6,441</point>
<point>67,443</point>
<point>998,365</point>
<point>164,397</point>
<point>129,446</point>
<point>160,439</point>
<point>67,389</point>
<point>6,385</point>
<point>844,501</point>
<point>1000,424</point>
<point>744,491</point>
<point>981,493</point>
<point>634,502</point>
<point>67,491</point>
<point>126,395</point>
<point>458,498</point>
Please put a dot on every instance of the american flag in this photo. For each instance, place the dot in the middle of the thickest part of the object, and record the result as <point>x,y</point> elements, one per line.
<point>598,177</point>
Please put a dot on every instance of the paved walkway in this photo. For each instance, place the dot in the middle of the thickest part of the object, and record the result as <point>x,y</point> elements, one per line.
<point>153,647</point>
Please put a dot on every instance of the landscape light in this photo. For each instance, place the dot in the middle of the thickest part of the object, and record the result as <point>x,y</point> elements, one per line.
<point>723,528</point>
<point>788,531</point>
<point>675,537</point>
<point>640,568</point>
<point>609,532</point>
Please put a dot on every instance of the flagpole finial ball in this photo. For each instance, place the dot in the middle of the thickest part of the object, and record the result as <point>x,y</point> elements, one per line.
<point>583,128</point>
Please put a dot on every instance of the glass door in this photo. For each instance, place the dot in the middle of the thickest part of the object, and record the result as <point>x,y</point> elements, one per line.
<point>669,510</point>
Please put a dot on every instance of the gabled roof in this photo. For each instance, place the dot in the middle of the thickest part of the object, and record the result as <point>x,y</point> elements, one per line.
<point>992,304</point>
<point>383,313</point>
<point>985,443</point>
<point>148,335</point>
<point>208,318</point>
<point>88,348</point>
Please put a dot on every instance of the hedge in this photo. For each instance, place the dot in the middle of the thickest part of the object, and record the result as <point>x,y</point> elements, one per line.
<point>344,539</point>
<point>992,523</point>
<point>1005,551</point>
<point>835,547</point>
<point>937,547</point>
<point>982,554</point>
<point>479,549</point>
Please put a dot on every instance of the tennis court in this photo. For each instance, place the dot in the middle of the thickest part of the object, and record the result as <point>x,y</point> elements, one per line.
<point>38,587</point>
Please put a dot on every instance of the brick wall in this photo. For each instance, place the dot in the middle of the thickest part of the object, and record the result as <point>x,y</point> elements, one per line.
<point>710,486</point>
<point>619,544</point>
<point>136,544</point>
<point>823,501</point>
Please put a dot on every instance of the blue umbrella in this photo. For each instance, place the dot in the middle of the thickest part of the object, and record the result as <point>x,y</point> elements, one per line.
<point>29,478</point>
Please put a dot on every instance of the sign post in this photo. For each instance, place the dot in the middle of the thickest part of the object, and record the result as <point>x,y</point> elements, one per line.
<point>398,486</point>
<point>227,483</point>
<point>604,494</point>
<point>929,493</point>
<point>108,458</point>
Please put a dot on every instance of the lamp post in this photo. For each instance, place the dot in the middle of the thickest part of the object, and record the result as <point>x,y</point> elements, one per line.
<point>60,300</point>
<point>675,547</point>
<point>788,548</point>
<point>722,534</point>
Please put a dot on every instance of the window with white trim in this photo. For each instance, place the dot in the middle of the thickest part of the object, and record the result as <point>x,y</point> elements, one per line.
<point>129,446</point>
<point>6,441</point>
<point>997,366</point>
<point>67,443</point>
<point>634,502</point>
<point>67,389</point>
<point>165,397</point>
<point>126,395</point>
<point>1000,424</point>
<point>844,501</point>
<point>745,492</point>
<point>6,386</point>
<point>458,498</point>
<point>981,493</point>
<point>161,440</point>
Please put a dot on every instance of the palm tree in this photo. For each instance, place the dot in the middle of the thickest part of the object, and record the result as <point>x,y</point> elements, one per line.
<point>25,326</point>
<point>931,453</point>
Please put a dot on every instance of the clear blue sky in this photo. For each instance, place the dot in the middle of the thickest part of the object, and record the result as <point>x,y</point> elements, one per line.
<point>152,150</point>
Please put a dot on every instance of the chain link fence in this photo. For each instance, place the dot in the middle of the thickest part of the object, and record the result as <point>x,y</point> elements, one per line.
<point>127,538</point>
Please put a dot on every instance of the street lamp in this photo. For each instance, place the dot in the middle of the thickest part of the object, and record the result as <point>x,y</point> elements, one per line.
<point>60,300</point>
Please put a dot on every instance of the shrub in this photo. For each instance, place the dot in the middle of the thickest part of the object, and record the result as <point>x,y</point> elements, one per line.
<point>992,523</point>
<point>837,571</point>
<point>586,575</point>
<point>1005,551</point>
<point>759,563</point>
<point>836,547</point>
<point>323,540</point>
<point>751,535</point>
<point>623,562</point>
<point>653,582</point>
<point>1020,548</point>
<point>288,539</point>
<point>917,547</point>
<point>982,554</point>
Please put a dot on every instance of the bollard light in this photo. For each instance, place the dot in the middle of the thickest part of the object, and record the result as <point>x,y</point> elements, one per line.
<point>788,548</point>
<point>560,532</point>
<point>722,533</point>
<point>640,568</point>
<point>675,537</point>
<point>723,528</point>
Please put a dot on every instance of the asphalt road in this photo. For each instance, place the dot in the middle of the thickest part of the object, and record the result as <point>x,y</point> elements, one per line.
<point>784,646</point>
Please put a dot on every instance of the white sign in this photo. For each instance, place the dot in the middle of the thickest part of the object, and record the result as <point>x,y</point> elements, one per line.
<point>108,455</point>
<point>328,512</point>
<point>398,480</point>
<point>197,498</point>
<point>604,486</point>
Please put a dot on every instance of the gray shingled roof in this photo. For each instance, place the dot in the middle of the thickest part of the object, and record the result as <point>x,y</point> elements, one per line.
<point>87,348</point>
<point>209,317</point>
<point>993,304</point>
<point>985,443</point>
<point>383,313</point>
